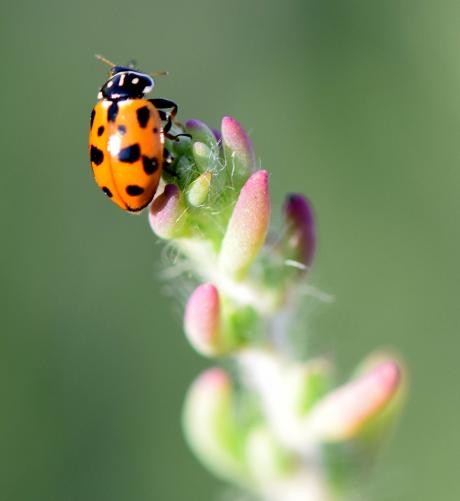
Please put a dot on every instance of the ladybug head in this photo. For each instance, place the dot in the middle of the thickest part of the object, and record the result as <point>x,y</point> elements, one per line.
<point>126,83</point>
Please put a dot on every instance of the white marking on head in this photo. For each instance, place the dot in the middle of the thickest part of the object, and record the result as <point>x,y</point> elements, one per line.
<point>99,95</point>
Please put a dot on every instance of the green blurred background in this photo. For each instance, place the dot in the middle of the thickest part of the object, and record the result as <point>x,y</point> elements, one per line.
<point>354,103</point>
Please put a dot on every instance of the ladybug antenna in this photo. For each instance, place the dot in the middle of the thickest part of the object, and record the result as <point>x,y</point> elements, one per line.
<point>131,64</point>
<point>162,73</point>
<point>104,60</point>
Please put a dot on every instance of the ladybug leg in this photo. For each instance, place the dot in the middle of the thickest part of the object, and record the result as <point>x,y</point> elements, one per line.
<point>166,104</point>
<point>176,136</point>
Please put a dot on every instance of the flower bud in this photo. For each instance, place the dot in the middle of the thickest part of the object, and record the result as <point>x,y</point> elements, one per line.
<point>239,152</point>
<point>343,413</point>
<point>203,156</point>
<point>167,214</point>
<point>198,192</point>
<point>210,425</point>
<point>247,228</point>
<point>378,427</point>
<point>214,326</point>
<point>301,235</point>
<point>202,320</point>
<point>200,132</point>
<point>217,135</point>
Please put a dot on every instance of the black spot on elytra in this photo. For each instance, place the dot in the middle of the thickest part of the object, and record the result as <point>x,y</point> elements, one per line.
<point>122,129</point>
<point>134,190</point>
<point>96,155</point>
<point>93,114</point>
<point>112,111</point>
<point>150,164</point>
<point>143,115</point>
<point>100,130</point>
<point>155,130</point>
<point>107,191</point>
<point>130,154</point>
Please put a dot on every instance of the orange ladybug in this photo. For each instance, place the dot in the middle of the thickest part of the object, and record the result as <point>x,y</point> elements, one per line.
<point>126,139</point>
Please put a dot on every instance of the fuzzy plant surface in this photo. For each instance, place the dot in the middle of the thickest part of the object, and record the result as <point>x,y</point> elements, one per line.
<point>272,423</point>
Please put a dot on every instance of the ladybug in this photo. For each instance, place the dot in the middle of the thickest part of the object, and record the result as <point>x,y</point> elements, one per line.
<point>127,135</point>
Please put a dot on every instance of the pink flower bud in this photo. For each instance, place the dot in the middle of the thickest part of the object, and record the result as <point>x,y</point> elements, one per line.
<point>213,384</point>
<point>167,213</point>
<point>238,147</point>
<point>247,227</point>
<point>301,235</point>
<point>202,320</point>
<point>343,413</point>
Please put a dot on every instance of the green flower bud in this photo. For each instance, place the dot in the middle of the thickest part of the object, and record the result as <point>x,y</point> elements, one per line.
<point>198,192</point>
<point>210,426</point>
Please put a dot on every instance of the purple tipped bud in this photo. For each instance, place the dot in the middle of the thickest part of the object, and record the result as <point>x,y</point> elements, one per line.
<point>202,320</point>
<point>247,227</point>
<point>217,135</point>
<point>200,132</point>
<point>344,412</point>
<point>239,152</point>
<point>167,213</point>
<point>301,234</point>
